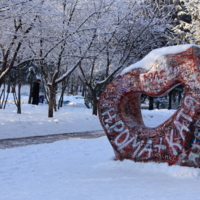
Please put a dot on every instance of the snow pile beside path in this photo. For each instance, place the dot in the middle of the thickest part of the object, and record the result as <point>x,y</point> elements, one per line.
<point>34,120</point>
<point>183,172</point>
<point>153,168</point>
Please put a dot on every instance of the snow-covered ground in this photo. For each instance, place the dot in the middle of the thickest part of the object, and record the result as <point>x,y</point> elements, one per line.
<point>34,121</point>
<point>72,117</point>
<point>82,168</point>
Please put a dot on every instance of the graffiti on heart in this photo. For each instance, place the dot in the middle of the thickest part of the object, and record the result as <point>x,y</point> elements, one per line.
<point>177,140</point>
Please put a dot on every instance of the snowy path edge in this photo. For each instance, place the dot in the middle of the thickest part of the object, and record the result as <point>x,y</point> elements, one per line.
<point>18,142</point>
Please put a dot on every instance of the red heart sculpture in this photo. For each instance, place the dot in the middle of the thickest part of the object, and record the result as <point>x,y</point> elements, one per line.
<point>177,140</point>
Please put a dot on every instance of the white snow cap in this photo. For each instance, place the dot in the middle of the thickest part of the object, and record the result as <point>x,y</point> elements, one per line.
<point>151,57</point>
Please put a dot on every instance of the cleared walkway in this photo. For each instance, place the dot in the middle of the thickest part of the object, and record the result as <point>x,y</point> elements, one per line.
<point>18,142</point>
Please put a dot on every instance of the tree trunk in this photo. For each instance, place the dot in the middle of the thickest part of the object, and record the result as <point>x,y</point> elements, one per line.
<point>170,100</point>
<point>30,93</point>
<point>76,90</point>
<point>158,105</point>
<point>19,111</point>
<point>179,97</point>
<point>51,101</point>
<point>14,95</point>
<point>151,103</point>
<point>8,92</point>
<point>19,91</point>
<point>60,102</point>
<point>95,106</point>
<point>72,89</point>
<point>3,94</point>
<point>83,91</point>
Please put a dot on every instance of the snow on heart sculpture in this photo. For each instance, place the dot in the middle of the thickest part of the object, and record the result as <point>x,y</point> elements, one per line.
<point>177,140</point>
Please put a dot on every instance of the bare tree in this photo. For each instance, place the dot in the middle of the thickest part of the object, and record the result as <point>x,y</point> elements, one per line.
<point>75,31</point>
<point>138,28</point>
<point>17,21</point>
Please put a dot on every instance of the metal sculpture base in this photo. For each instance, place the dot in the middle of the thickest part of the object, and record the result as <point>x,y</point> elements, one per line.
<point>177,140</point>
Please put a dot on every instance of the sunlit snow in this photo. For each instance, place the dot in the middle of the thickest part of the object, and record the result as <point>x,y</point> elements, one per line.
<point>82,168</point>
<point>150,58</point>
